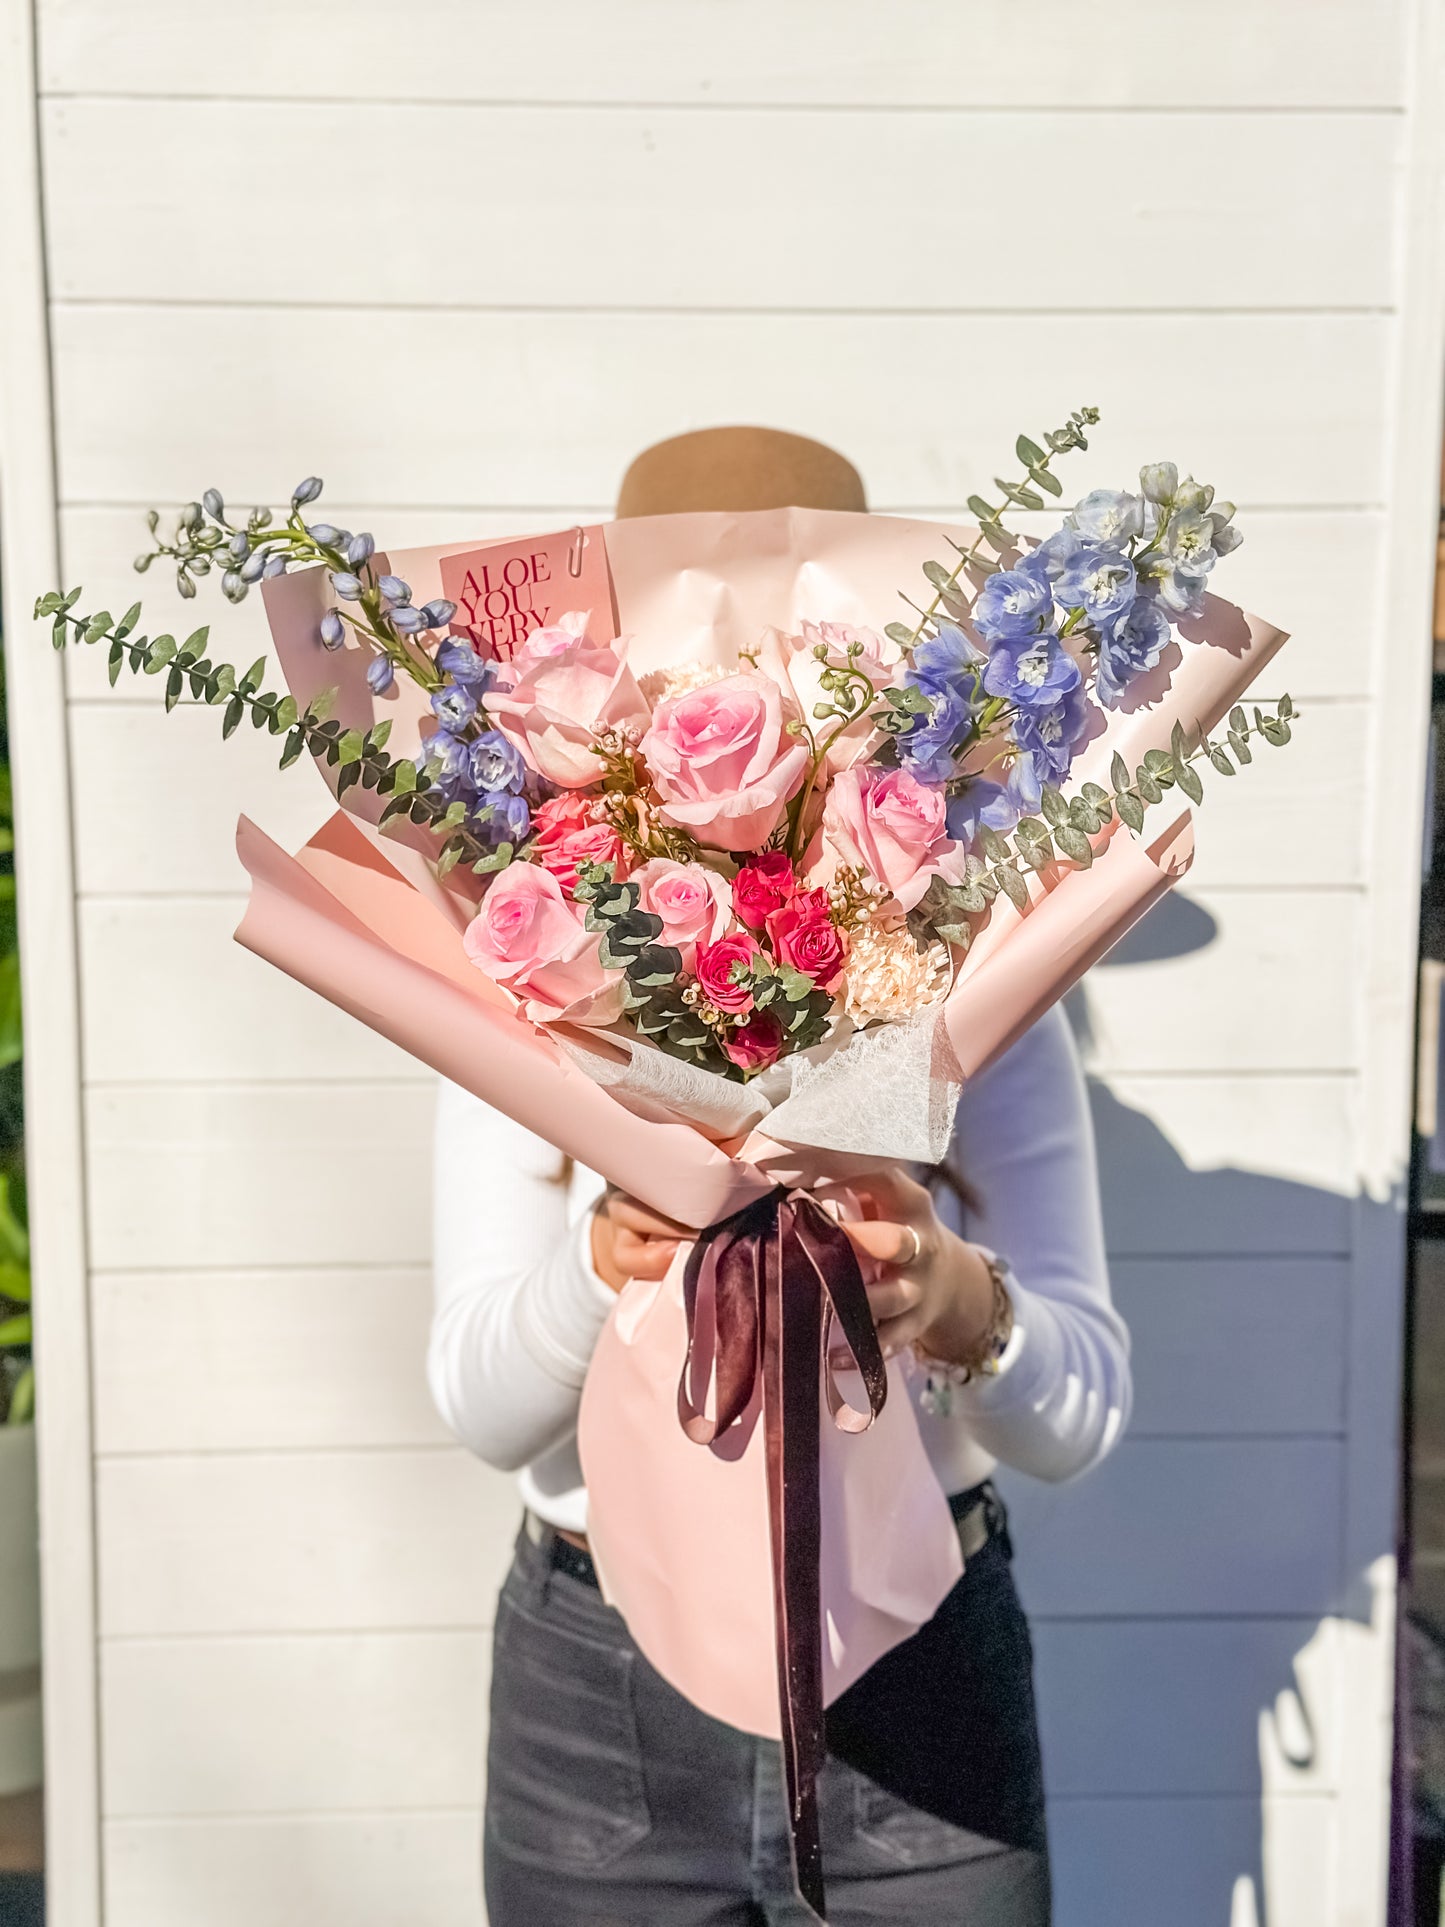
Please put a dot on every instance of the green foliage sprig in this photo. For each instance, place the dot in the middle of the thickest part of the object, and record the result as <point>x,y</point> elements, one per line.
<point>1066,824</point>
<point>357,756</point>
<point>1036,463</point>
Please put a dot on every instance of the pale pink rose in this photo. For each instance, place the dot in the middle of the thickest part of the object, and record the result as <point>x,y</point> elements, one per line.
<point>556,694</point>
<point>888,825</point>
<point>692,901</point>
<point>530,939</point>
<point>722,761</point>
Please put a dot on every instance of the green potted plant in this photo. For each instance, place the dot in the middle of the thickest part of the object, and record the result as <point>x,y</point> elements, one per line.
<point>20,1750</point>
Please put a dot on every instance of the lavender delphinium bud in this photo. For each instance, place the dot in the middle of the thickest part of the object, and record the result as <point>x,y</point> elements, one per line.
<point>347,586</point>
<point>434,614</point>
<point>232,587</point>
<point>275,564</point>
<point>212,503</point>
<point>250,570</point>
<point>240,548</point>
<point>323,535</point>
<point>190,516</point>
<point>407,620</point>
<point>504,818</point>
<point>394,589</point>
<point>381,676</point>
<point>306,491</point>
<point>359,550</point>
<point>185,588</point>
<point>200,565</point>
<point>333,630</point>
<point>142,563</point>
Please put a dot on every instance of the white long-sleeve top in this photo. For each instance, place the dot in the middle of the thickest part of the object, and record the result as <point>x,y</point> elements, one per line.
<point>519,1306</point>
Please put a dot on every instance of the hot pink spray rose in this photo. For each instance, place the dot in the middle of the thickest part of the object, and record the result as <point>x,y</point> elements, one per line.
<point>762,885</point>
<point>890,826</point>
<point>553,697</point>
<point>715,963</point>
<point>529,938</point>
<point>723,762</point>
<point>804,935</point>
<point>755,1044</point>
<point>570,830</point>
<point>691,900</point>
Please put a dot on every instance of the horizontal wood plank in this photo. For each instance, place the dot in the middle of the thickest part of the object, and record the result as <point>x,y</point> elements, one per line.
<point>1195,1371</point>
<point>1194,1863</point>
<point>189,1362</point>
<point>221,1360</point>
<point>320,1541</point>
<point>367,1869</point>
<point>1228,1165</point>
<point>1161,1707</point>
<point>721,52</point>
<point>1313,572</point>
<point>1132,1863</point>
<point>131,762</point>
<point>277,1174</point>
<point>547,408</point>
<point>195,1177</point>
<point>1291,217</point>
<point>367,1710</point>
<point>388,1721</point>
<point>1185,1527</point>
<point>1295,1016</point>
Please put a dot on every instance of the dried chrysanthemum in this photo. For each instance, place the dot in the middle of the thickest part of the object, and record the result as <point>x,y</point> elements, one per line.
<point>659,685</point>
<point>889,976</point>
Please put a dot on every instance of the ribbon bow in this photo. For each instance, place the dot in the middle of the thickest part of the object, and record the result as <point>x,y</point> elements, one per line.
<point>763,1291</point>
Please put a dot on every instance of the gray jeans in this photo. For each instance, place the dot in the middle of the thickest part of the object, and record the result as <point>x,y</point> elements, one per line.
<point>613,1802</point>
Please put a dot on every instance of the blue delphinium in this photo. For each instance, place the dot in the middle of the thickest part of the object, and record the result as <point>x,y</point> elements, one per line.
<point>1129,648</point>
<point>461,663</point>
<point>1032,672</point>
<point>504,818</point>
<point>929,750</point>
<point>1052,555</point>
<point>1108,516</point>
<point>1100,581</point>
<point>1048,738</point>
<point>496,764</point>
<point>945,660</point>
<point>1012,604</point>
<point>981,804</point>
<point>454,706</point>
<point>381,675</point>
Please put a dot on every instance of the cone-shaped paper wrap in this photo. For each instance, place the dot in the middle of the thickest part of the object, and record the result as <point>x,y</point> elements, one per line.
<point>681,1533</point>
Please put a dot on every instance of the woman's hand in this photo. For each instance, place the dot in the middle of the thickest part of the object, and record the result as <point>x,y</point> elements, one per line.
<point>629,1240</point>
<point>936,1291</point>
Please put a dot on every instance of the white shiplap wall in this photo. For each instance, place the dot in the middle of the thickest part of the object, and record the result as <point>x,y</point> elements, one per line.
<point>466,259</point>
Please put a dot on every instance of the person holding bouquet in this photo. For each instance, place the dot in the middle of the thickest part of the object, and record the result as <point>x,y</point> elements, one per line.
<point>610,1797</point>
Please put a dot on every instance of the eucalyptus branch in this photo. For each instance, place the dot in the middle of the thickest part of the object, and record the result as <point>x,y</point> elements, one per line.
<point>357,756</point>
<point>1066,824</point>
<point>1037,467</point>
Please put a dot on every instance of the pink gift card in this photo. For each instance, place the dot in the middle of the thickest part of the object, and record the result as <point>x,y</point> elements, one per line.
<point>509,589</point>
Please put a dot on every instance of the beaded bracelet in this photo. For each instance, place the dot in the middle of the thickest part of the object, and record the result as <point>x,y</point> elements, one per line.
<point>942,1375</point>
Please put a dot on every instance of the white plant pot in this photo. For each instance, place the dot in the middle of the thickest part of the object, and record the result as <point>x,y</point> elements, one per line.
<point>20,1740</point>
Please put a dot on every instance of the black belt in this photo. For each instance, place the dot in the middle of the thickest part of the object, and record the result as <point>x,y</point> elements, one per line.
<point>978,1513</point>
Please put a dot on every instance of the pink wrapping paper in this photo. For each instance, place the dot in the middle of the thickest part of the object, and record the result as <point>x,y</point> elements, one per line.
<point>679,1532</point>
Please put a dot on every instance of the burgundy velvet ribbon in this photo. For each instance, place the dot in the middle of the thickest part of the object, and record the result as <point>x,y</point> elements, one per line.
<point>765,1291</point>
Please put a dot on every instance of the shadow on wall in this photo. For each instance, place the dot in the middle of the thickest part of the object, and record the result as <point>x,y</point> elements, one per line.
<point>1192,1602</point>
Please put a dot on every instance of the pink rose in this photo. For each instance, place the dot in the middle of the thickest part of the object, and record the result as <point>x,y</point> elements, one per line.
<point>529,938</point>
<point>715,962</point>
<point>762,885</point>
<point>804,935</point>
<point>888,825</point>
<point>691,900</point>
<point>554,697</point>
<point>755,1044</point>
<point>722,761</point>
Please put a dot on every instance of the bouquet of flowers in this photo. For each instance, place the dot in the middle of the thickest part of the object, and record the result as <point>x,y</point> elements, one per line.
<point>673,898</point>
